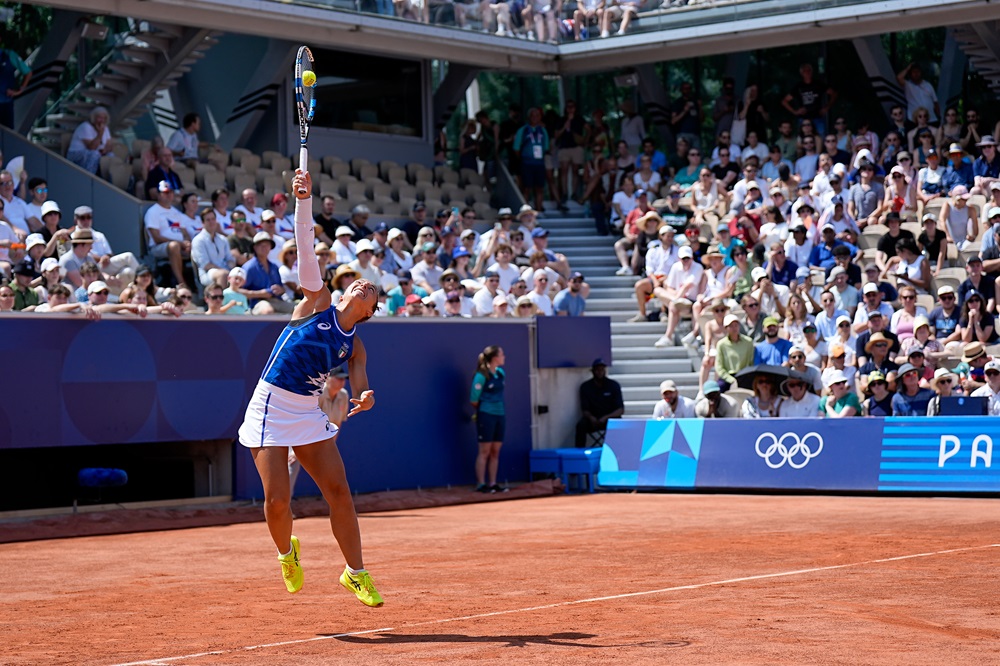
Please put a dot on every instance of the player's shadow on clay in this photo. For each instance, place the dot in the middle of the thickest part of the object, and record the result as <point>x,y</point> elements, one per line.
<point>564,639</point>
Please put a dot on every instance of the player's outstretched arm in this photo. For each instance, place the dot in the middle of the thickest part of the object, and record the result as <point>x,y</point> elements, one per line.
<point>364,397</point>
<point>316,297</point>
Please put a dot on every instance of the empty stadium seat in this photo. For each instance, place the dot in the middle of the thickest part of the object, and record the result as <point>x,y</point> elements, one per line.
<point>385,165</point>
<point>281,163</point>
<point>396,175</point>
<point>356,164</point>
<point>338,169</point>
<point>236,154</point>
<point>366,172</point>
<point>405,192</point>
<point>260,175</point>
<point>139,146</point>
<point>213,181</point>
<point>376,190</point>
<point>267,158</point>
<point>250,162</point>
<point>328,162</point>
<point>231,173</point>
<point>243,181</point>
<point>120,175</point>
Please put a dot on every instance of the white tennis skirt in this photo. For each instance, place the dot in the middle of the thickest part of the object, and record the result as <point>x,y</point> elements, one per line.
<point>276,417</point>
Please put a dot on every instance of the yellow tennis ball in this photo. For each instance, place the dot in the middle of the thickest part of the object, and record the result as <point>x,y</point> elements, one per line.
<point>309,78</point>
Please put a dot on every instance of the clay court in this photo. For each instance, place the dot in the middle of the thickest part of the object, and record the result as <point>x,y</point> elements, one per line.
<point>626,578</point>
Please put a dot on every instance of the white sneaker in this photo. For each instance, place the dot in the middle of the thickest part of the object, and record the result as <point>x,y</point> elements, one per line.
<point>500,32</point>
<point>605,33</point>
<point>624,270</point>
<point>664,341</point>
<point>620,33</point>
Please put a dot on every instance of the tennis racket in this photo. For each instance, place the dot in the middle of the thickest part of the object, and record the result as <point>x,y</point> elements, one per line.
<point>305,100</point>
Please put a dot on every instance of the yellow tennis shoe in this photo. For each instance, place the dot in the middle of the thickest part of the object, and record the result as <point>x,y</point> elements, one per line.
<point>291,570</point>
<point>362,586</point>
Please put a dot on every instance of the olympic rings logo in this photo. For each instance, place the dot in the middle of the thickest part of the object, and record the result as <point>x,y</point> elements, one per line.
<point>797,455</point>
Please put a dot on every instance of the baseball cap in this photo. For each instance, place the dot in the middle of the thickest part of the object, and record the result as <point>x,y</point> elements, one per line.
<point>640,193</point>
<point>82,210</point>
<point>50,207</point>
<point>459,251</point>
<point>993,212</point>
<point>837,350</point>
<point>597,361</point>
<point>929,217</point>
<point>49,264</point>
<point>575,275</point>
<point>267,216</point>
<point>905,368</point>
<point>992,365</point>
<point>25,268</point>
<point>263,236</point>
<point>419,205</point>
<point>447,230</point>
<point>428,247</point>
<point>711,386</point>
<point>454,296</point>
<point>775,190</point>
<point>875,376</point>
<point>499,300</point>
<point>467,233</point>
<point>920,320</point>
<point>724,226</point>
<point>538,232</point>
<point>96,286</point>
<point>237,272</point>
<point>685,252</point>
<point>364,245</point>
<point>411,299</point>
<point>837,270</point>
<point>381,228</point>
<point>668,385</point>
<point>730,318</point>
<point>164,186</point>
<point>444,212</point>
<point>758,273</point>
<point>802,272</point>
<point>394,233</point>
<point>828,226</point>
<point>505,212</point>
<point>526,208</point>
<point>869,288</point>
<point>836,377</point>
<point>771,320</point>
<point>945,289</point>
<point>843,319</point>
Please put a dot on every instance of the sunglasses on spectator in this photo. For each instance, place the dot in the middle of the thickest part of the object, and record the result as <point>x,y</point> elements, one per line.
<point>992,373</point>
<point>102,292</point>
<point>41,190</point>
<point>751,305</point>
<point>908,298</point>
<point>948,297</point>
<point>795,357</point>
<point>843,324</point>
<point>694,152</point>
<point>524,305</point>
<point>881,344</point>
<point>794,385</point>
<point>216,297</point>
<point>878,382</point>
<point>186,297</point>
<point>903,159</point>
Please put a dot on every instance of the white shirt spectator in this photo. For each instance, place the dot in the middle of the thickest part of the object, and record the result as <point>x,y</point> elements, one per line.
<point>678,277</point>
<point>101,245</point>
<point>994,402</point>
<point>799,254</point>
<point>182,141</point>
<point>926,176</point>
<point>440,298</point>
<point>483,301</point>
<point>861,316</point>
<point>344,254</point>
<point>542,301</point>
<point>192,224</point>
<point>767,304</point>
<point>529,277</point>
<point>774,232</point>
<point>807,407</point>
<point>289,274</point>
<point>403,262</point>
<point>849,371</point>
<point>626,202</point>
<point>684,409</point>
<point>371,273</point>
<point>653,184</point>
<point>168,221</point>
<point>920,94</point>
<point>16,211</point>
<point>87,132</point>
<point>760,151</point>
<point>206,249</point>
<point>507,275</point>
<point>253,216</point>
<point>6,234</point>
<point>740,194</point>
<point>659,260</point>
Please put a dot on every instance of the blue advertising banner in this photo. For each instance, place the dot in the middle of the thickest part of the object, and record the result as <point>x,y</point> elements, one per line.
<point>940,454</point>
<point>863,454</point>
<point>797,454</point>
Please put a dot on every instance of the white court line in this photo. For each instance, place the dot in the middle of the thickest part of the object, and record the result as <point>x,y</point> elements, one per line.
<point>165,661</point>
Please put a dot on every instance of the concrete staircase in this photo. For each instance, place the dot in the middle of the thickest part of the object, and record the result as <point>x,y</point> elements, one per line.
<point>981,43</point>
<point>635,364</point>
<point>145,61</point>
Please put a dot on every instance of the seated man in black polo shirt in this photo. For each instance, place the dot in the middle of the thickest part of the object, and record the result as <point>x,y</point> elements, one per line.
<point>600,400</point>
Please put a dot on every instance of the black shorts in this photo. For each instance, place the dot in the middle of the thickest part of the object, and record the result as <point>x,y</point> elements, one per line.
<point>490,427</point>
<point>533,175</point>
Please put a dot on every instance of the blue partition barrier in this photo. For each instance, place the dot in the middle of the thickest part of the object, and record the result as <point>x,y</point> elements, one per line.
<point>71,382</point>
<point>572,342</point>
<point>945,454</point>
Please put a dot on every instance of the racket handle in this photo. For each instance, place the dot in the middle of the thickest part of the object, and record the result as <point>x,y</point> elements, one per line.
<point>303,164</point>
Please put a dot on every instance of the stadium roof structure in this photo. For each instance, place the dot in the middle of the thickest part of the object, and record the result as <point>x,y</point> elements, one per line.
<point>724,28</point>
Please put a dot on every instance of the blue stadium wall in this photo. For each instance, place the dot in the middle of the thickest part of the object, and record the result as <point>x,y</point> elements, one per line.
<point>70,382</point>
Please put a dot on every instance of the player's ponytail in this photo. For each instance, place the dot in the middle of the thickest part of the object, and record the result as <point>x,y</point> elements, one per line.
<point>487,355</point>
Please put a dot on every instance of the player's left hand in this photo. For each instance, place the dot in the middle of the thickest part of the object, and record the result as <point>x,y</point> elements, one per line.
<point>362,404</point>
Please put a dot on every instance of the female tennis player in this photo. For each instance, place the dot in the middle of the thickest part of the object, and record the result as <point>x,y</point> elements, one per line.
<point>284,410</point>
